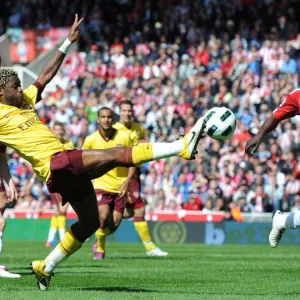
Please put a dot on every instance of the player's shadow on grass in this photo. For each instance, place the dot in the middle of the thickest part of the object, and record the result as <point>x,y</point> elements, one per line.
<point>84,266</point>
<point>27,273</point>
<point>117,289</point>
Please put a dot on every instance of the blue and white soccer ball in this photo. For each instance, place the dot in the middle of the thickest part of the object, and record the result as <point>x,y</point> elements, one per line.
<point>220,123</point>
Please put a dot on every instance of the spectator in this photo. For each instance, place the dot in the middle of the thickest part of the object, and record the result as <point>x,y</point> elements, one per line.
<point>183,187</point>
<point>174,196</point>
<point>296,205</point>
<point>291,190</point>
<point>275,193</point>
<point>209,206</point>
<point>193,203</point>
<point>288,65</point>
<point>244,206</point>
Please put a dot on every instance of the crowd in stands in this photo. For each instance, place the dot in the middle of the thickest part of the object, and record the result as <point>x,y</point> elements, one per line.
<point>175,60</point>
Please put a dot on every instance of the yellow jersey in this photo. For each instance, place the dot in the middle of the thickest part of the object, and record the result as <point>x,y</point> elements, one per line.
<point>68,145</point>
<point>21,130</point>
<point>136,131</point>
<point>112,180</point>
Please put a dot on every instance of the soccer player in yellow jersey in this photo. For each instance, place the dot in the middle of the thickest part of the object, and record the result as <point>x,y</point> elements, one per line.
<point>108,188</point>
<point>69,172</point>
<point>5,175</point>
<point>59,219</point>
<point>135,205</point>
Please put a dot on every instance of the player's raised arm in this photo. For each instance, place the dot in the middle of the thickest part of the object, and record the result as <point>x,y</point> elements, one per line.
<point>288,109</point>
<point>55,62</point>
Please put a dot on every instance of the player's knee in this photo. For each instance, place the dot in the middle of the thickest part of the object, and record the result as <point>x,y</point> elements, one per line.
<point>104,220</point>
<point>104,214</point>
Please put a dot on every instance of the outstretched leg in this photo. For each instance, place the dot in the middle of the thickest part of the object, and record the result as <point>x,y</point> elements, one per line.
<point>96,163</point>
<point>99,162</point>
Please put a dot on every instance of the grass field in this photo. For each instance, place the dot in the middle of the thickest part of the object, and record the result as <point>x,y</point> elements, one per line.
<point>190,272</point>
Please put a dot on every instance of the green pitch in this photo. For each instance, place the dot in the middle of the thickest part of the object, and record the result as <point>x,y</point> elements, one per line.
<point>191,272</point>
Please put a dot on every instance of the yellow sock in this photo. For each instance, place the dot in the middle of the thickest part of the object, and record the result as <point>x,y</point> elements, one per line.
<point>101,235</point>
<point>69,245</point>
<point>53,222</point>
<point>144,234</point>
<point>61,222</point>
<point>142,153</point>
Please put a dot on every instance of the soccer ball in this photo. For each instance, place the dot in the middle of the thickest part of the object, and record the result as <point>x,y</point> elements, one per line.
<point>220,123</point>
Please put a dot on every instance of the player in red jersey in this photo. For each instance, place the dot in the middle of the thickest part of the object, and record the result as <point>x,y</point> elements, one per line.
<point>288,109</point>
<point>4,173</point>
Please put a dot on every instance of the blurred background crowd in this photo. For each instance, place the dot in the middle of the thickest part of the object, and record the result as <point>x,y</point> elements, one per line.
<point>176,59</point>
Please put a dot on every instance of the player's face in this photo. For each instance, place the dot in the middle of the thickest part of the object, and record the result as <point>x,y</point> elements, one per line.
<point>105,119</point>
<point>59,132</point>
<point>126,113</point>
<point>12,93</point>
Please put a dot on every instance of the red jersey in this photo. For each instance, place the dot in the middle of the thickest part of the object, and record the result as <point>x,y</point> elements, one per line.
<point>289,108</point>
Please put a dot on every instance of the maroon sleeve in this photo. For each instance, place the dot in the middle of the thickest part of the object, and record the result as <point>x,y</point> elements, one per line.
<point>40,88</point>
<point>288,108</point>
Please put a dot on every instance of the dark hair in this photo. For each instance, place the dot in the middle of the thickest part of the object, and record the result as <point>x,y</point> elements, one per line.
<point>5,74</point>
<point>56,123</point>
<point>126,102</point>
<point>104,108</point>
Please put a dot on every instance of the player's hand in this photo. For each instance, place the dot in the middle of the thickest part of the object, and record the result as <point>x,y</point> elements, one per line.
<point>124,188</point>
<point>12,192</point>
<point>252,145</point>
<point>74,30</point>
